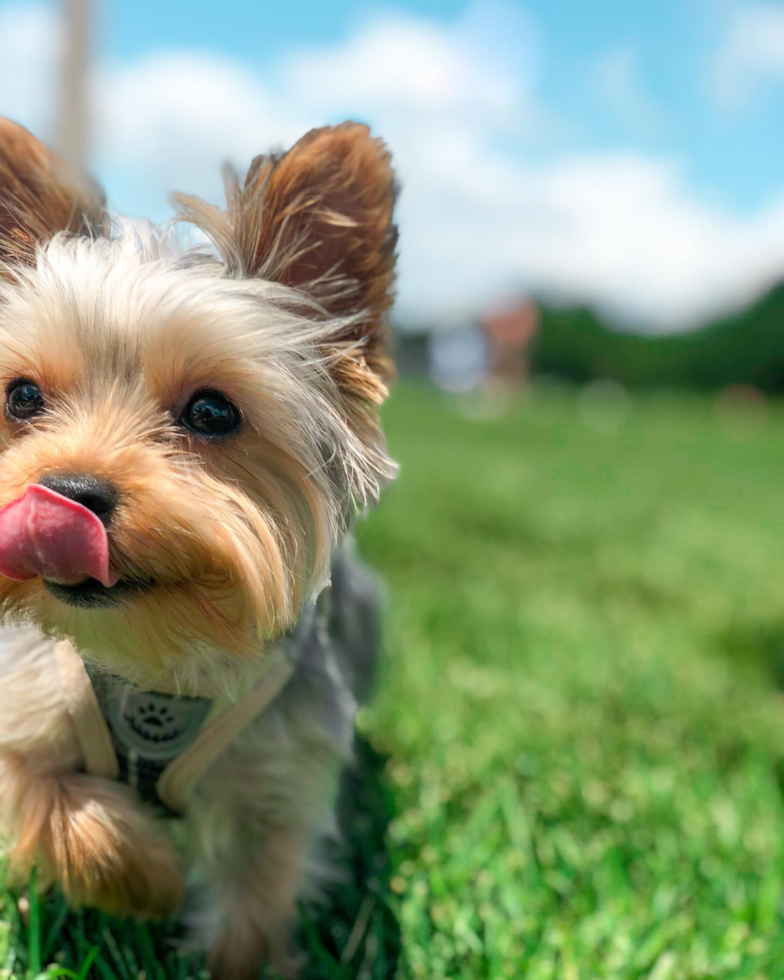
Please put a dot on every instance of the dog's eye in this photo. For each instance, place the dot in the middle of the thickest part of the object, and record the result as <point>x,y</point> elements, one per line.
<point>210,413</point>
<point>23,399</point>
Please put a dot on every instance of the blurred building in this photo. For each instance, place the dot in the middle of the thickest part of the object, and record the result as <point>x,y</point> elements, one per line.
<point>458,358</point>
<point>492,350</point>
<point>509,331</point>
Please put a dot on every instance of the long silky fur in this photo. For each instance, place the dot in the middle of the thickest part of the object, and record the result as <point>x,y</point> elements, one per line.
<point>119,324</point>
<point>317,454</point>
<point>40,197</point>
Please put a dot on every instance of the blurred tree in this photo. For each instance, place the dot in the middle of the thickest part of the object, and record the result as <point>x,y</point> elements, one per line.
<point>745,348</point>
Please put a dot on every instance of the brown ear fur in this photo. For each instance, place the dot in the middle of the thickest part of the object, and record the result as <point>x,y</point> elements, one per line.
<point>319,218</point>
<point>39,196</point>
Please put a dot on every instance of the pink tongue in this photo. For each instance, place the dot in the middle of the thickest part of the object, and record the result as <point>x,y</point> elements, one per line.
<point>45,533</point>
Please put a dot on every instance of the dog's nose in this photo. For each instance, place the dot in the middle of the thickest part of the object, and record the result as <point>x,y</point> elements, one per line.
<point>99,496</point>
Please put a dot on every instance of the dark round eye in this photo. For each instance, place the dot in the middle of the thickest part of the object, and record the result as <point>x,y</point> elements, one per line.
<point>210,414</point>
<point>23,399</point>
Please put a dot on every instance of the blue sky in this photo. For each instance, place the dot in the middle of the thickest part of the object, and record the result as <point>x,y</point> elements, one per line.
<point>733,153</point>
<point>625,154</point>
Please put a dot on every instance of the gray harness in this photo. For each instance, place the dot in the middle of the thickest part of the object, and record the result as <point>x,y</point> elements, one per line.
<point>157,743</point>
<point>148,729</point>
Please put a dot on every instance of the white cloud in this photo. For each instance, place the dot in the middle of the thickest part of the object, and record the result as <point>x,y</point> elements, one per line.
<point>174,117</point>
<point>457,104</point>
<point>480,69</point>
<point>625,231</point>
<point>752,53</point>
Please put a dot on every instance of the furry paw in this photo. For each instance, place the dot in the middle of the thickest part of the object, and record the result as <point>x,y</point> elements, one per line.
<point>230,959</point>
<point>138,876</point>
<point>91,838</point>
<point>246,943</point>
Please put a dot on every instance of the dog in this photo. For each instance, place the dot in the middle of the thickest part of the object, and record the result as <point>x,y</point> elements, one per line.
<point>190,430</point>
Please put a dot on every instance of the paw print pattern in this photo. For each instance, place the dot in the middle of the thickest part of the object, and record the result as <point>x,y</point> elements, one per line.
<point>153,726</point>
<point>154,722</point>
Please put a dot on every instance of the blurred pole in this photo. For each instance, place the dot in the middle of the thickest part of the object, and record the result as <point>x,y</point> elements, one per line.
<point>74,123</point>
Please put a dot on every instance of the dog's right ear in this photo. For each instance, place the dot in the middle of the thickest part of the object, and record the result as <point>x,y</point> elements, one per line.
<point>39,196</point>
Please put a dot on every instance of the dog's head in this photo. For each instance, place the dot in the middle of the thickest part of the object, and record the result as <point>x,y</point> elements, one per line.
<point>187,432</point>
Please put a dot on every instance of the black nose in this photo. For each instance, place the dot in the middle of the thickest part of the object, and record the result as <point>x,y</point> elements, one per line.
<point>99,496</point>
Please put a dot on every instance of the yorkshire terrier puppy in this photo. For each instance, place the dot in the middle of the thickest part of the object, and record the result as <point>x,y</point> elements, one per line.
<point>187,436</point>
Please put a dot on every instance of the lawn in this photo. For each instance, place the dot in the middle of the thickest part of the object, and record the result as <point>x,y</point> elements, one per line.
<point>575,764</point>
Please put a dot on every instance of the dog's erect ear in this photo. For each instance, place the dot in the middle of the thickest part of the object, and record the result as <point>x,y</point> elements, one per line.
<point>39,196</point>
<point>320,218</point>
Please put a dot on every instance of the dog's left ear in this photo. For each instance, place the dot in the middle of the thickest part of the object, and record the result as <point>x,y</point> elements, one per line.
<point>39,196</point>
<point>320,218</point>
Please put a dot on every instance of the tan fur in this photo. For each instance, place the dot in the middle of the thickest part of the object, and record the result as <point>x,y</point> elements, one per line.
<point>34,721</point>
<point>228,537</point>
<point>319,218</point>
<point>90,837</point>
<point>39,196</point>
<point>255,887</point>
<point>86,834</point>
<point>263,910</point>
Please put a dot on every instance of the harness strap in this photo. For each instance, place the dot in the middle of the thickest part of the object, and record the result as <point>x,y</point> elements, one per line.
<point>177,780</point>
<point>92,732</point>
<point>180,776</point>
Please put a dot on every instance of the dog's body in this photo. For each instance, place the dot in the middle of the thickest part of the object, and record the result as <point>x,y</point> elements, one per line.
<point>186,440</point>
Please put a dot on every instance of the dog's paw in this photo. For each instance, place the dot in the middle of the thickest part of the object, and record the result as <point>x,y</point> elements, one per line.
<point>124,876</point>
<point>91,838</point>
<point>239,954</point>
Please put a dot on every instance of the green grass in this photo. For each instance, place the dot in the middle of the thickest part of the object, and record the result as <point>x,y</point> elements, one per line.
<point>580,724</point>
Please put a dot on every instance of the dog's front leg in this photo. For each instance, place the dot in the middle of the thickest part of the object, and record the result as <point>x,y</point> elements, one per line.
<point>256,894</point>
<point>90,837</point>
<point>255,817</point>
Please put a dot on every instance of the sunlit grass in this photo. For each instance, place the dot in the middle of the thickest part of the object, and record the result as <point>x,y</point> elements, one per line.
<point>580,710</point>
<point>581,704</point>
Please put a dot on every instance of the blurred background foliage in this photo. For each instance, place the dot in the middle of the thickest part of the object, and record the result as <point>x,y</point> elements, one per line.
<point>744,348</point>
